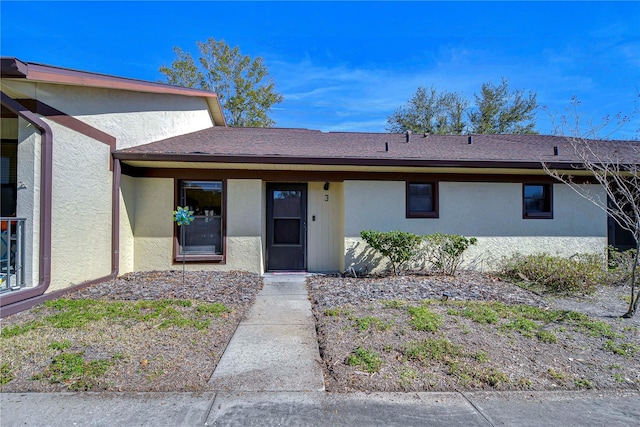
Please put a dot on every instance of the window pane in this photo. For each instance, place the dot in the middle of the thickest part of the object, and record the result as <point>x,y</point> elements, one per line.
<point>286,204</point>
<point>536,191</point>
<point>534,205</point>
<point>537,198</point>
<point>424,190</point>
<point>202,196</point>
<point>286,231</point>
<point>204,234</point>
<point>420,204</point>
<point>421,198</point>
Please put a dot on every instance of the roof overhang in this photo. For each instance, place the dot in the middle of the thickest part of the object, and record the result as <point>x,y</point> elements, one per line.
<point>210,162</point>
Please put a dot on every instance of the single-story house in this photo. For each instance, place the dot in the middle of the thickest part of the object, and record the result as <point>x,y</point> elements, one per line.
<point>94,165</point>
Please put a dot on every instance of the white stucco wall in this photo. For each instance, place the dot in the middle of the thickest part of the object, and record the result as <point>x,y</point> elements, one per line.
<point>127,222</point>
<point>81,209</point>
<point>133,118</point>
<point>491,212</point>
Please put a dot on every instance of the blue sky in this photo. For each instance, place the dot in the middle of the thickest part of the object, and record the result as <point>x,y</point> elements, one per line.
<point>345,66</point>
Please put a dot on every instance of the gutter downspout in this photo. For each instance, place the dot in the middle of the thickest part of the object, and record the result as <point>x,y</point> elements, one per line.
<point>46,175</point>
<point>25,299</point>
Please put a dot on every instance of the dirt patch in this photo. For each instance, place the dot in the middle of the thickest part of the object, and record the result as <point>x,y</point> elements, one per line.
<point>175,350</point>
<point>478,333</point>
<point>140,352</point>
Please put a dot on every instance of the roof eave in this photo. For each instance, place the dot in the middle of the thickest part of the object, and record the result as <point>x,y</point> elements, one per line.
<point>341,161</point>
<point>14,68</point>
<point>216,111</point>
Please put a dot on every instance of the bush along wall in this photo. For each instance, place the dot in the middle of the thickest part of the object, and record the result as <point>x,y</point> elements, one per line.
<point>580,273</point>
<point>398,246</point>
<point>444,252</point>
<point>436,252</point>
<point>577,274</point>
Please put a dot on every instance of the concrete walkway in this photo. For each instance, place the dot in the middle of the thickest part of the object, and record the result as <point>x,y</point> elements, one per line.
<point>275,347</point>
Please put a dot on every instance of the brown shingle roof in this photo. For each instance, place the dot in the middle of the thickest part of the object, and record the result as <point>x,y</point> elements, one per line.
<point>278,145</point>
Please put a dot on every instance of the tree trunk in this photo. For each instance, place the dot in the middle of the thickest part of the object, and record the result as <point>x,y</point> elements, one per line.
<point>633,303</point>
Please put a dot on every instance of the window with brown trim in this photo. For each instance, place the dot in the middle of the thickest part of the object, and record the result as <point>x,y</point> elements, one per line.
<point>537,201</point>
<point>422,200</point>
<point>203,239</point>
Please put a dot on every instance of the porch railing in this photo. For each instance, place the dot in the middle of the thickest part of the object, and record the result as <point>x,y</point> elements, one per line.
<point>12,240</point>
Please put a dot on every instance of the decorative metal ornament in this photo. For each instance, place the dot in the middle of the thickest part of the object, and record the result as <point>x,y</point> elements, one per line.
<point>183,216</point>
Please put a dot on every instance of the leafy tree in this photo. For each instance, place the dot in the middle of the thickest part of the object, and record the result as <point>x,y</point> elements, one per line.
<point>501,111</point>
<point>497,110</point>
<point>242,84</point>
<point>616,168</point>
<point>430,112</point>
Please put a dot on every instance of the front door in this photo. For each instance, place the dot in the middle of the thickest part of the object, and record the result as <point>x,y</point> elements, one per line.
<point>286,227</point>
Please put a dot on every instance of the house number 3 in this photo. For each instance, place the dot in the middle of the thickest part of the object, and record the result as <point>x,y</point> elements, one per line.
<point>326,197</point>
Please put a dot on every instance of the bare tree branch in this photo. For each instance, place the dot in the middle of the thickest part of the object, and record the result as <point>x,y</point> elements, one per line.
<point>614,165</point>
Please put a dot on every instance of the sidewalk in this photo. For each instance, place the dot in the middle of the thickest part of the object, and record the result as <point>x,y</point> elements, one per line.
<point>589,408</point>
<point>270,374</point>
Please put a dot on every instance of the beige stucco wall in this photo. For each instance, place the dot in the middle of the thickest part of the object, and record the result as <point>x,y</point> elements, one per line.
<point>127,222</point>
<point>153,226</point>
<point>245,212</point>
<point>81,205</point>
<point>491,212</point>
<point>133,118</point>
<point>81,209</point>
<point>325,227</point>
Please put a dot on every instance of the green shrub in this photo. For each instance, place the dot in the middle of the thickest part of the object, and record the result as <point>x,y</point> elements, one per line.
<point>398,246</point>
<point>444,251</point>
<point>577,274</point>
